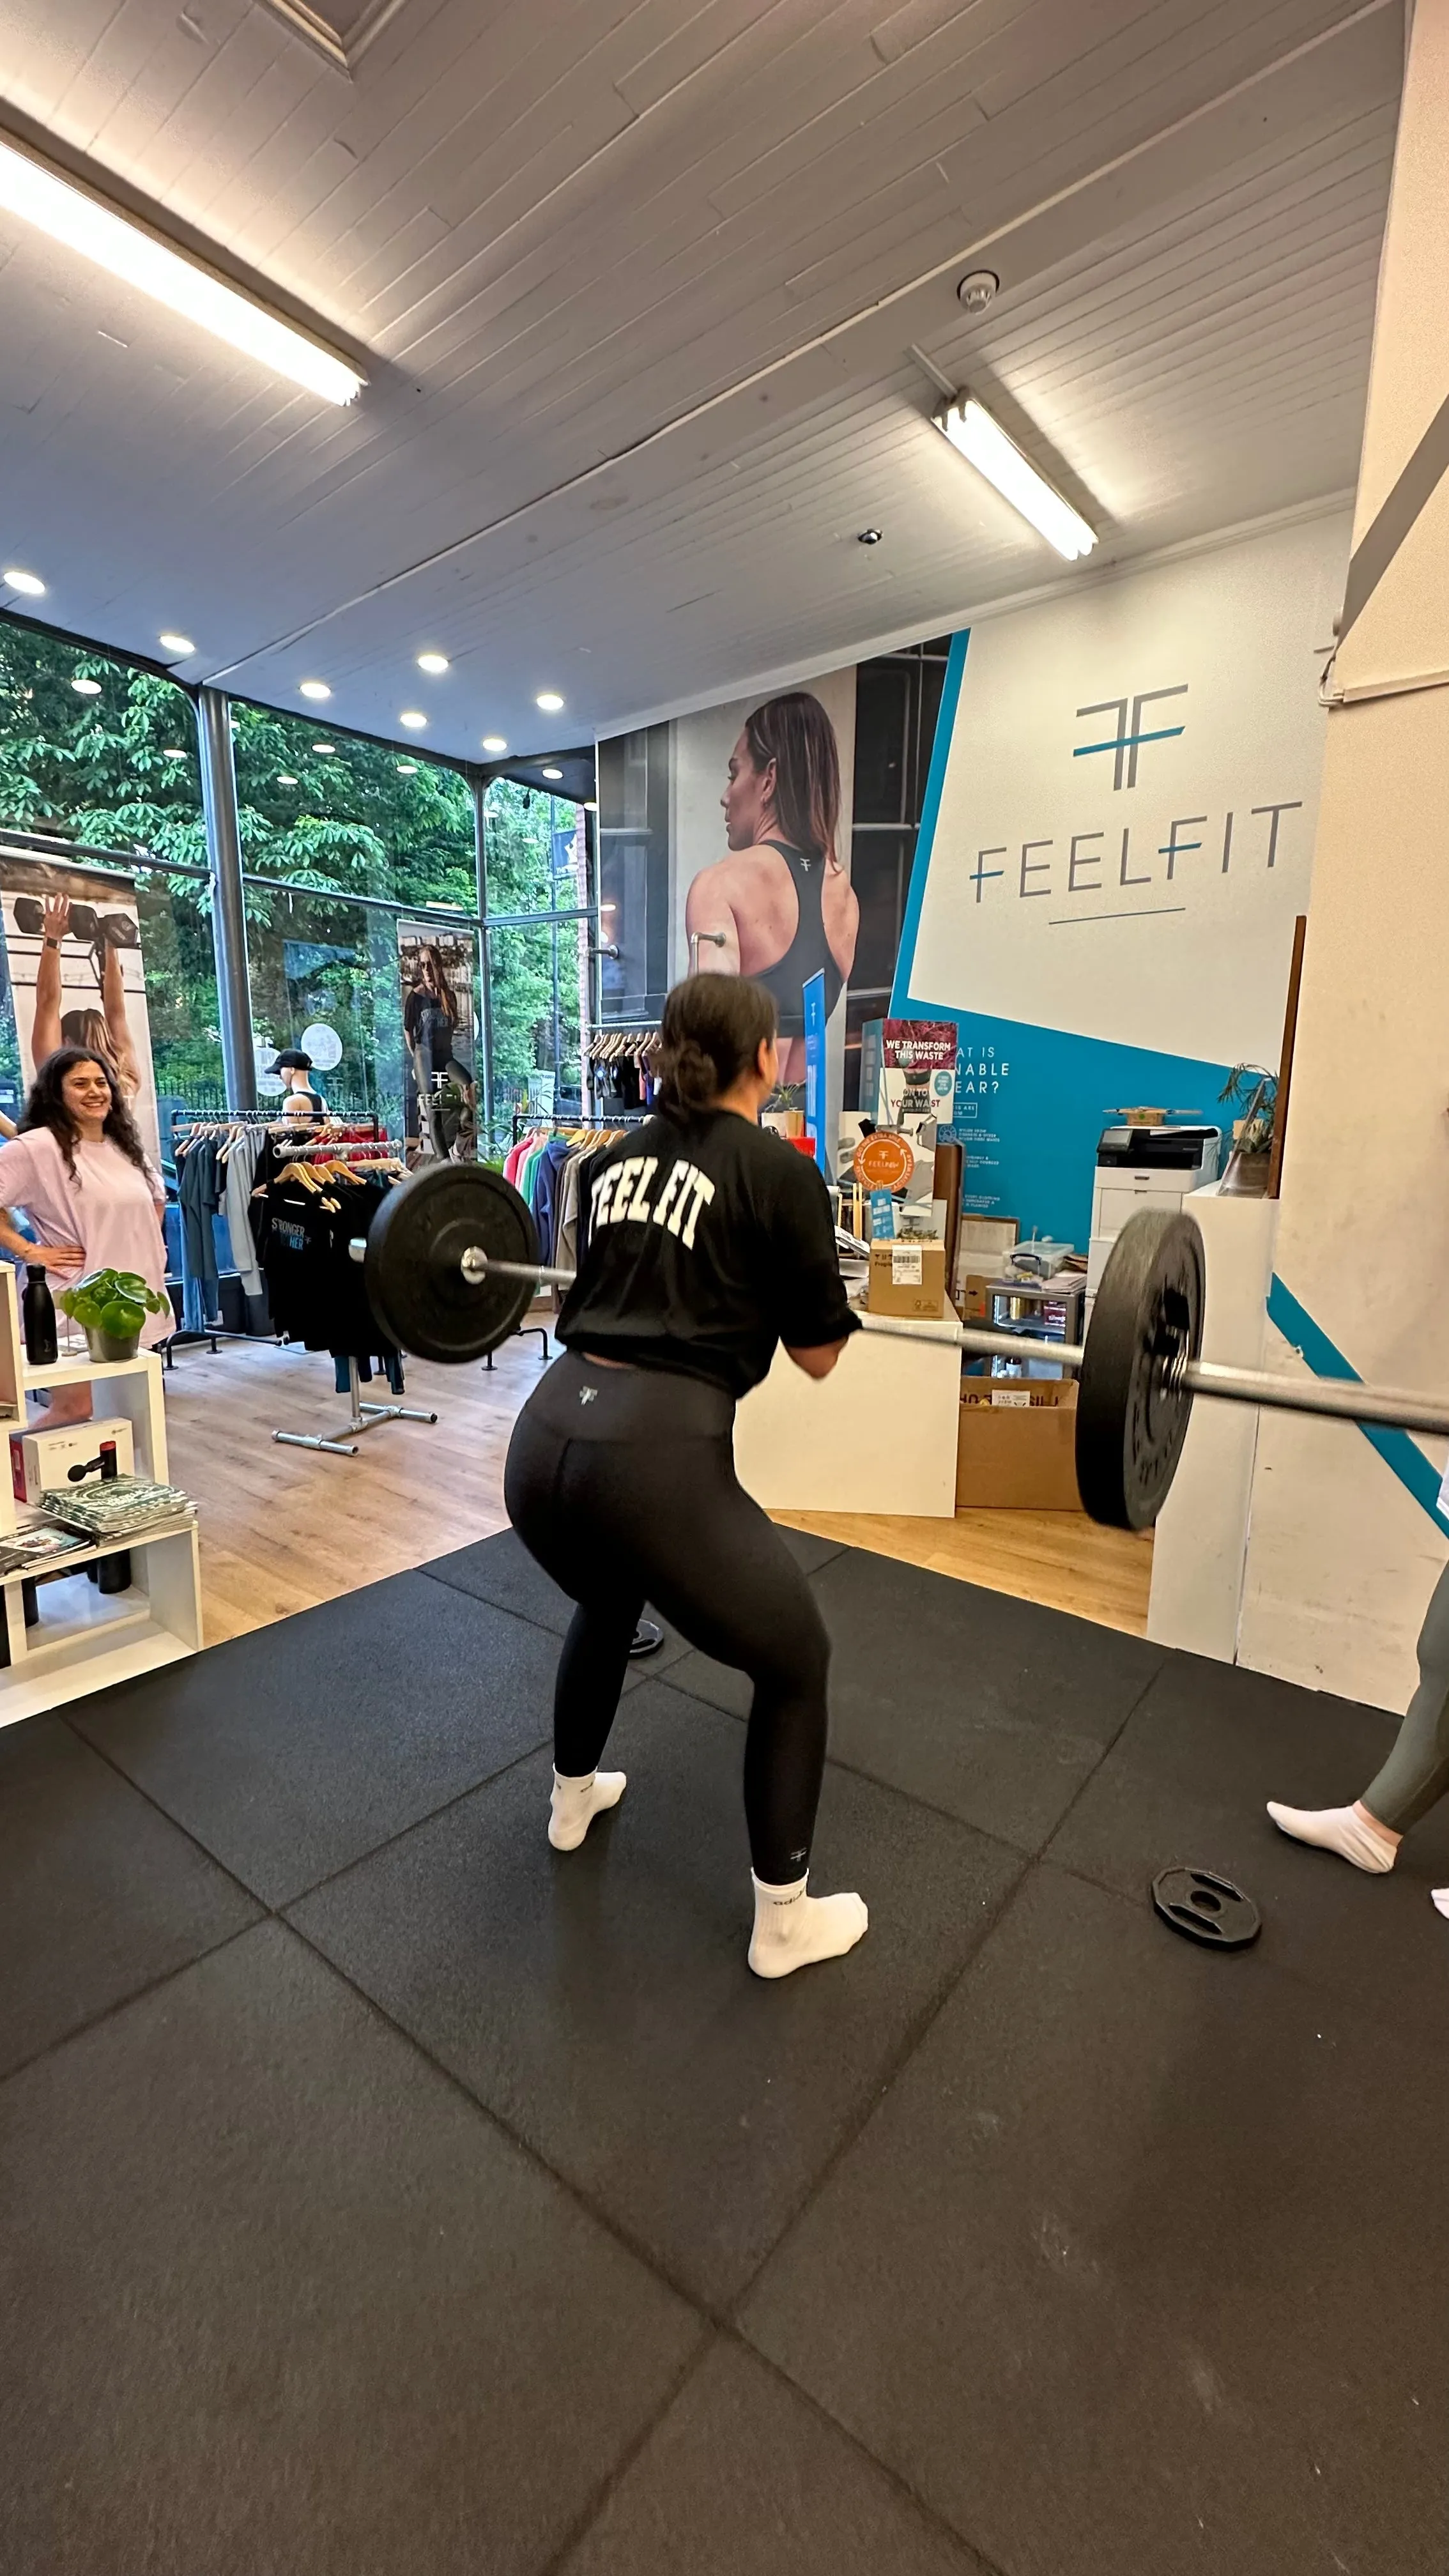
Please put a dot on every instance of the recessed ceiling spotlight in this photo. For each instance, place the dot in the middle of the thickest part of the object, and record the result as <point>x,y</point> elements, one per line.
<point>436,663</point>
<point>284,776</point>
<point>870,536</point>
<point>549,700</point>
<point>407,769</point>
<point>86,688</point>
<point>552,773</point>
<point>315,689</point>
<point>495,743</point>
<point>413,718</point>
<point>29,583</point>
<point>324,750</point>
<point>177,644</point>
<point>171,753</point>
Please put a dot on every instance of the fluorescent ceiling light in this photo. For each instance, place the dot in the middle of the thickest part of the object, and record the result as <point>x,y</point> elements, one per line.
<point>435,663</point>
<point>315,689</point>
<point>550,701</point>
<point>495,743</point>
<point>29,583</point>
<point>553,773</point>
<point>86,688</point>
<point>176,644</point>
<point>976,436</point>
<point>140,258</point>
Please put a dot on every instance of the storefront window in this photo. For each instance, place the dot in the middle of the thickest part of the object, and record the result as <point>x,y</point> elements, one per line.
<point>324,975</point>
<point>539,966</point>
<point>332,810</point>
<point>110,766</point>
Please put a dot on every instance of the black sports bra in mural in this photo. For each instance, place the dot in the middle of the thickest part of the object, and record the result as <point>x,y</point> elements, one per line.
<point>809,951</point>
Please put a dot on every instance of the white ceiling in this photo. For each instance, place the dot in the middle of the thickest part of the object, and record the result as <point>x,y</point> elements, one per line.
<point>638,288</point>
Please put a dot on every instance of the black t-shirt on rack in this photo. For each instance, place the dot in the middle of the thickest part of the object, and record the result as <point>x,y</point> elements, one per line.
<point>709,1241</point>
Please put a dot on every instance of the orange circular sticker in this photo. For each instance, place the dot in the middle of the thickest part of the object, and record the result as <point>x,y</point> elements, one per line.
<point>883,1161</point>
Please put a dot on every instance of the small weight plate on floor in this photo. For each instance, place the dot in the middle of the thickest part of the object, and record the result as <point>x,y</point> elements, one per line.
<point>1132,1410</point>
<point>1206,1907</point>
<point>648,1638</point>
<point>413,1263</point>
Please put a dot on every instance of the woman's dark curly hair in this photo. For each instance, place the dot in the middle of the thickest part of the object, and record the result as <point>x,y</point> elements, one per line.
<point>46,1107</point>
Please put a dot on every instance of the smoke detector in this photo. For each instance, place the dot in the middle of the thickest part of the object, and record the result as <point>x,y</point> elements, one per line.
<point>977,289</point>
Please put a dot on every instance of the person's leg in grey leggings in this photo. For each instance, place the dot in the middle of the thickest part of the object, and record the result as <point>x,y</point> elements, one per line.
<point>1415,1776</point>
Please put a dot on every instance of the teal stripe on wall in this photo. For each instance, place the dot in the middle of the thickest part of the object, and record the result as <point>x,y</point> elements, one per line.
<point>1399,1451</point>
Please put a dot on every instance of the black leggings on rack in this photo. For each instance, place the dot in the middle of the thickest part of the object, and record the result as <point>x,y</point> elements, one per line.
<point>621,1482</point>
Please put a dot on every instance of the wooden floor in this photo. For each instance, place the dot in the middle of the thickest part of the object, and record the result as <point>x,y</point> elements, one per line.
<point>284,1528</point>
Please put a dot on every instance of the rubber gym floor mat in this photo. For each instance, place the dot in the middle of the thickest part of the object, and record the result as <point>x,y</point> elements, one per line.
<point>99,1895</point>
<point>993,1709</point>
<point>743,2474</point>
<point>1140,2264</point>
<point>290,1752</point>
<point>279,2298</point>
<point>598,2000</point>
<point>500,1569</point>
<point>1188,1780</point>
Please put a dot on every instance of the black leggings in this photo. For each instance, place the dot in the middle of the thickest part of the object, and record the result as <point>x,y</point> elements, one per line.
<point>621,1482</point>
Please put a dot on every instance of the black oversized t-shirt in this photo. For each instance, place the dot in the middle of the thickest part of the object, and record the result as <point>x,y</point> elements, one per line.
<point>709,1241</point>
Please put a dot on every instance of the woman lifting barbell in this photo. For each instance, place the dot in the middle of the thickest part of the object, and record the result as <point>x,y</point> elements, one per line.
<point>709,1242</point>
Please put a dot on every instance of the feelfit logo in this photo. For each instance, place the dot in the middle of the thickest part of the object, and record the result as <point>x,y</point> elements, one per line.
<point>1073,864</point>
<point>1129,738</point>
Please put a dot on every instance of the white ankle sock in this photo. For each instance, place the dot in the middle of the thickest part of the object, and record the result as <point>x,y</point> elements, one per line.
<point>1341,1830</point>
<point>577,1802</point>
<point>793,1930</point>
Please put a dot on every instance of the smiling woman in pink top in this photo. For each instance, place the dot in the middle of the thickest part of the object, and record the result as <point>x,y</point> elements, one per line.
<point>78,1170</point>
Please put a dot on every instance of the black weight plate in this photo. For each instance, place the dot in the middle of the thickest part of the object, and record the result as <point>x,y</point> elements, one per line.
<point>413,1267</point>
<point>1132,1416</point>
<point>1206,1907</point>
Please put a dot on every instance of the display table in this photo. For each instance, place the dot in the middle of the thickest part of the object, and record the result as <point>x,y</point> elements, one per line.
<point>877,1435</point>
<point>87,1639</point>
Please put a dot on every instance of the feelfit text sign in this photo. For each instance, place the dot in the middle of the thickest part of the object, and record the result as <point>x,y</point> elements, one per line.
<point>1108,857</point>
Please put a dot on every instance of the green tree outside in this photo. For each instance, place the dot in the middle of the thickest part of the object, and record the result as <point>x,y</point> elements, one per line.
<point>335,814</point>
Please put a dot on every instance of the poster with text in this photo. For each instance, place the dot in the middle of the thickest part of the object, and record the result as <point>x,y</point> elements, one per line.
<point>75,976</point>
<point>438,968</point>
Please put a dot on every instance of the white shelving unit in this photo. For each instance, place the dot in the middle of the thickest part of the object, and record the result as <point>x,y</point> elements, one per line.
<point>87,1640</point>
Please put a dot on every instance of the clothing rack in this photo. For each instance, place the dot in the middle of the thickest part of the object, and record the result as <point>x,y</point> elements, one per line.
<point>363,1417</point>
<point>189,1128</point>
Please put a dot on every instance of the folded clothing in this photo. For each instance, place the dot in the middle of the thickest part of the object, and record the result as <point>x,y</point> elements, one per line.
<point>117,1507</point>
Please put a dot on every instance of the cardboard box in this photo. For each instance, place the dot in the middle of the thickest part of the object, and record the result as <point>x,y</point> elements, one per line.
<point>1017,1455</point>
<point>973,1300</point>
<point>908,1279</point>
<point>48,1458</point>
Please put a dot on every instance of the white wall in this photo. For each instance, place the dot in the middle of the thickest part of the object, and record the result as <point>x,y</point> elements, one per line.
<point>1342,1556</point>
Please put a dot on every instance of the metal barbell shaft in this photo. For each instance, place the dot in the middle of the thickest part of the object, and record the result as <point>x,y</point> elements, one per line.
<point>1334,1400</point>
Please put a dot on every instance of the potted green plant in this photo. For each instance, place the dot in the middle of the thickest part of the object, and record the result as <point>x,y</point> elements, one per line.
<point>111,1307</point>
<point>1248,1165</point>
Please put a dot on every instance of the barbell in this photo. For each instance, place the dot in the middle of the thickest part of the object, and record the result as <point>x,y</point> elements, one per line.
<point>450,1263</point>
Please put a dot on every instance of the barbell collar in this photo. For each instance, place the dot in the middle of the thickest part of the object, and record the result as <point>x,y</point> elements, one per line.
<point>1336,1400</point>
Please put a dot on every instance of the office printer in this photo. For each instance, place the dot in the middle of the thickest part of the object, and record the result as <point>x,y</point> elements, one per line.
<point>1139,1166</point>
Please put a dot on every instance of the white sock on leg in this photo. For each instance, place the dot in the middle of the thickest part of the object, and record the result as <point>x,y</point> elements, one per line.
<point>577,1802</point>
<point>1339,1829</point>
<point>793,1930</point>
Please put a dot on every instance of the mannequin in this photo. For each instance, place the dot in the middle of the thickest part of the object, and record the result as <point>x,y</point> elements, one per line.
<point>300,1098</point>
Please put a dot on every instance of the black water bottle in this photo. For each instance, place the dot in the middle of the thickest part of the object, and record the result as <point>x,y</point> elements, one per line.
<point>113,1573</point>
<point>37,1308</point>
